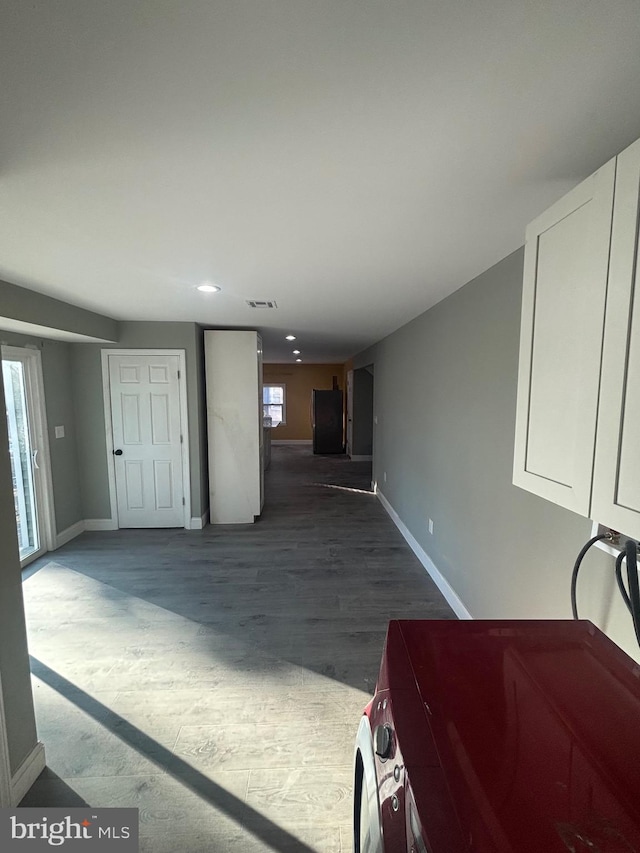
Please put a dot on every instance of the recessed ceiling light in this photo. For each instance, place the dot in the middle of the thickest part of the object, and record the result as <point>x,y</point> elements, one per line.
<point>296,352</point>
<point>207,287</point>
<point>298,359</point>
<point>290,338</point>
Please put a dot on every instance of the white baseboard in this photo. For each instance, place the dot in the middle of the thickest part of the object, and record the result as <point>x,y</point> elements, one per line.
<point>354,457</point>
<point>100,524</point>
<point>196,523</point>
<point>27,773</point>
<point>199,523</point>
<point>292,441</point>
<point>452,598</point>
<point>69,533</point>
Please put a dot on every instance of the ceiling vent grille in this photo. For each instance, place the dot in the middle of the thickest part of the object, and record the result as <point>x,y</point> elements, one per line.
<point>261,303</point>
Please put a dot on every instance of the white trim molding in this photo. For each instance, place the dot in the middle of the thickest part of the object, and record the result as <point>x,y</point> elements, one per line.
<point>451,596</point>
<point>355,457</point>
<point>291,441</point>
<point>69,533</point>
<point>100,524</point>
<point>27,773</point>
<point>5,766</point>
<point>199,523</point>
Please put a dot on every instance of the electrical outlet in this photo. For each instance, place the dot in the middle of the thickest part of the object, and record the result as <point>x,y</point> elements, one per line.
<point>431,526</point>
<point>614,546</point>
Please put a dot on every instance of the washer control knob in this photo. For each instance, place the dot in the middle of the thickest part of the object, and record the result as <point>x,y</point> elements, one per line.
<point>382,740</point>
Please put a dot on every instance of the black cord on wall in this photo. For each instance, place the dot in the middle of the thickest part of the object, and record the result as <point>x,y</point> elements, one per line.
<point>576,569</point>
<point>631,598</point>
<point>620,582</point>
<point>631,551</point>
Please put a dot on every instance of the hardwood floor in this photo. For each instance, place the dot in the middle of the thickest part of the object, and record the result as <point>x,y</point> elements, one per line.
<point>215,679</point>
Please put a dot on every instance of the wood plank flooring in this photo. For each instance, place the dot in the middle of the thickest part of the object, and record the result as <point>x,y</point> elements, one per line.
<point>215,679</point>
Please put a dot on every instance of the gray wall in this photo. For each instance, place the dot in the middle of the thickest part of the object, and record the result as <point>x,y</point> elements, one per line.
<point>445,394</point>
<point>73,392</point>
<point>26,306</point>
<point>56,370</point>
<point>87,385</point>
<point>14,659</point>
<point>72,374</point>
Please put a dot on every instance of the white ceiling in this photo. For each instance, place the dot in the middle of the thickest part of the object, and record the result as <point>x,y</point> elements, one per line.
<point>355,161</point>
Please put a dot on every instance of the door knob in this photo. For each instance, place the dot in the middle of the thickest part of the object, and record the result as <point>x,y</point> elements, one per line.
<point>117,452</point>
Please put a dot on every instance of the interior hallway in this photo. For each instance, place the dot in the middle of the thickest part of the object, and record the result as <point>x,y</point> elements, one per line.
<point>214,679</point>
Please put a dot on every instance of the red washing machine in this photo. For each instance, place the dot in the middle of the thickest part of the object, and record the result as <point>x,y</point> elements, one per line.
<point>500,737</point>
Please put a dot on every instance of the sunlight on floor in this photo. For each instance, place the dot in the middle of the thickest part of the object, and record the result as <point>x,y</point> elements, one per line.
<point>220,744</point>
<point>345,489</point>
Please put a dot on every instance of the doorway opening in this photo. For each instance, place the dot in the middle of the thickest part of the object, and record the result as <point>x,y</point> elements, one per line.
<point>360,417</point>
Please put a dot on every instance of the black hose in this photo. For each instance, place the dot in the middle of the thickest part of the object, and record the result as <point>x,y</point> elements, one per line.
<point>631,550</point>
<point>620,582</point>
<point>576,569</point>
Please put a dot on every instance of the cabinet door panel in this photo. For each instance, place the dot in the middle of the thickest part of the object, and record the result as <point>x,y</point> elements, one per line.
<point>616,495</point>
<point>564,290</point>
<point>561,269</point>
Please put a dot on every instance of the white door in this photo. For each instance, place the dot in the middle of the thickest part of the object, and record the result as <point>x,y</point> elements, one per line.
<point>28,450</point>
<point>147,440</point>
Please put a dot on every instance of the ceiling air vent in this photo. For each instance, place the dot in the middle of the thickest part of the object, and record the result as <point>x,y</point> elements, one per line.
<point>261,303</point>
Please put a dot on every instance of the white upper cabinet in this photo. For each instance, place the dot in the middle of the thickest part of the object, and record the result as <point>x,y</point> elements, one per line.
<point>563,305</point>
<point>616,487</point>
<point>579,377</point>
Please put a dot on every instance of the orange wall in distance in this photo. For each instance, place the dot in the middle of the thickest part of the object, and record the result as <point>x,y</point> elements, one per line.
<point>300,380</point>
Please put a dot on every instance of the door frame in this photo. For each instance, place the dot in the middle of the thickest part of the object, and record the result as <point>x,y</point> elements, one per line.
<point>184,426</point>
<point>5,764</point>
<point>36,405</point>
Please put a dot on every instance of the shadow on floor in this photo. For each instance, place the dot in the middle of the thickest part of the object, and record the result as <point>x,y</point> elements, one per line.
<point>314,582</point>
<point>50,790</point>
<point>167,761</point>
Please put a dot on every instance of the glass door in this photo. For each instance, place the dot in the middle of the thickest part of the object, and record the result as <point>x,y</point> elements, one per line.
<point>25,416</point>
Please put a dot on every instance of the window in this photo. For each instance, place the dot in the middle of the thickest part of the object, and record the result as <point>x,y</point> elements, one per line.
<point>273,404</point>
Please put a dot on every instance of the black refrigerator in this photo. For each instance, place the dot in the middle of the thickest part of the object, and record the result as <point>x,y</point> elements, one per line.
<point>326,417</point>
